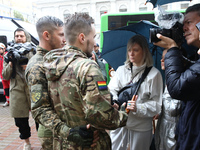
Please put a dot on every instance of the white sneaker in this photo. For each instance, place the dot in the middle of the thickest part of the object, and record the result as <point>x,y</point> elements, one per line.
<point>5,104</point>
<point>27,146</point>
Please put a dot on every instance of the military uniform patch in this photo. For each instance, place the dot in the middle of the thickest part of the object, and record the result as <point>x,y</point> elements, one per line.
<point>102,85</point>
<point>36,93</point>
<point>35,96</point>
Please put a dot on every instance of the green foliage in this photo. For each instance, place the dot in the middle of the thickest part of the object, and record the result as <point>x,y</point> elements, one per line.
<point>18,15</point>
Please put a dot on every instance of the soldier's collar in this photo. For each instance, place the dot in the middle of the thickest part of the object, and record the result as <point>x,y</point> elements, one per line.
<point>40,48</point>
<point>79,50</point>
<point>74,47</point>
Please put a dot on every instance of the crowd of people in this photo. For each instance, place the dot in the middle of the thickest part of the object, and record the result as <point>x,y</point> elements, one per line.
<point>63,83</point>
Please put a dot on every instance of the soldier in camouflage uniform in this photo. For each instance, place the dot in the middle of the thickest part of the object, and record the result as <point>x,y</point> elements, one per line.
<point>51,36</point>
<point>78,90</point>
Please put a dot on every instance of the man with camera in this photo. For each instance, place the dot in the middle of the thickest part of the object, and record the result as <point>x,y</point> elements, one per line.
<point>14,69</point>
<point>184,83</point>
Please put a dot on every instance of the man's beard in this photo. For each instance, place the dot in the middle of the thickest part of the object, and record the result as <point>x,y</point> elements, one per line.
<point>52,44</point>
<point>89,54</point>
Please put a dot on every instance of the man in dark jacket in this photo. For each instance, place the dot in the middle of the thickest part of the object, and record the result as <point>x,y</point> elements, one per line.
<point>184,84</point>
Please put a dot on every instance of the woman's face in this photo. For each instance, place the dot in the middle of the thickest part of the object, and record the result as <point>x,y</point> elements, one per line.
<point>135,55</point>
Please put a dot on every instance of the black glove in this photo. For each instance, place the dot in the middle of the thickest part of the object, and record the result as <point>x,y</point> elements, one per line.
<point>81,136</point>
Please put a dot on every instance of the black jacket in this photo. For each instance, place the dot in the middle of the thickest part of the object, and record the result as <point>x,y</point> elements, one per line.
<point>184,84</point>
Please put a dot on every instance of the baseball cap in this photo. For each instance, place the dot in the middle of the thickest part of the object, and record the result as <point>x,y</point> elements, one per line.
<point>2,45</point>
<point>97,44</point>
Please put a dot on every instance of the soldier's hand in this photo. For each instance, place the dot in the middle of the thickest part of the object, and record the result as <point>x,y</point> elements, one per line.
<point>95,136</point>
<point>123,107</point>
<point>116,106</point>
<point>82,136</point>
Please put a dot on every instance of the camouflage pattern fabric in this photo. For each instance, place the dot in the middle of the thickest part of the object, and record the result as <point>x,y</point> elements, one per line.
<point>47,143</point>
<point>79,97</point>
<point>37,83</point>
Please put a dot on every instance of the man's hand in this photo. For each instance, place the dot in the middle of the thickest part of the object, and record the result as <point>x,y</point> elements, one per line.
<point>10,63</point>
<point>123,107</point>
<point>23,67</point>
<point>83,136</point>
<point>116,106</point>
<point>165,42</point>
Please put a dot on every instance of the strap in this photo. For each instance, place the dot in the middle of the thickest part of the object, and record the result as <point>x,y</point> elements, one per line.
<point>145,73</point>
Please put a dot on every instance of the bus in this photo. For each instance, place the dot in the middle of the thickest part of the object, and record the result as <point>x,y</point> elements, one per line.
<point>111,21</point>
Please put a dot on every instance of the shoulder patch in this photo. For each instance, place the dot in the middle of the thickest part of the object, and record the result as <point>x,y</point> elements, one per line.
<point>102,85</point>
<point>36,93</point>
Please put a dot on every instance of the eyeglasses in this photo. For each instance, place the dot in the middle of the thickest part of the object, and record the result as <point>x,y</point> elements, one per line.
<point>95,46</point>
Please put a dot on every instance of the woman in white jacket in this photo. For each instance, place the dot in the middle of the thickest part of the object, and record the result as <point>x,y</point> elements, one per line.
<point>138,129</point>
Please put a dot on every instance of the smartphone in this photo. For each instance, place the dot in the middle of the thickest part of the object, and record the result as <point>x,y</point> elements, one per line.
<point>198,26</point>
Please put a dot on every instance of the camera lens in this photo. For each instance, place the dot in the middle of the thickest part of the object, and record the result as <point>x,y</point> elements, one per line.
<point>153,37</point>
<point>154,31</point>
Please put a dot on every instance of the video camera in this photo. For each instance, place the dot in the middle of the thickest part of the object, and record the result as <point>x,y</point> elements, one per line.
<point>170,26</point>
<point>16,52</point>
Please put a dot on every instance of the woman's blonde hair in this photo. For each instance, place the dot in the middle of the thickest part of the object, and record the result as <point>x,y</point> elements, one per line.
<point>142,42</point>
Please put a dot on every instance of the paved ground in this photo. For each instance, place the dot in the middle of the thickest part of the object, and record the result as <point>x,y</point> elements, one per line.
<point>9,135</point>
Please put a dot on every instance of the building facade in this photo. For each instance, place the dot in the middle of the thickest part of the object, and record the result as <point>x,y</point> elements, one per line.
<point>95,8</point>
<point>23,7</point>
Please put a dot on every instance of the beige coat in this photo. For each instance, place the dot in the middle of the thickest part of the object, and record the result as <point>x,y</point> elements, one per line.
<point>19,94</point>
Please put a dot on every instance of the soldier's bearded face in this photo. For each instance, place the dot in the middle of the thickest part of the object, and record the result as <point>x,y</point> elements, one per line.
<point>89,54</point>
<point>90,41</point>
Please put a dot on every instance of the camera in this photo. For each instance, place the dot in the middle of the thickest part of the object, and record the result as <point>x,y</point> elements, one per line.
<point>170,25</point>
<point>175,33</point>
<point>16,52</point>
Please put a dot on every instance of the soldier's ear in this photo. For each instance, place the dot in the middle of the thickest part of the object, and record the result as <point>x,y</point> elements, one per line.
<point>81,38</point>
<point>46,35</point>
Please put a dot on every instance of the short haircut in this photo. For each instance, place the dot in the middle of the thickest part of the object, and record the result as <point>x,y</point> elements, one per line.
<point>75,24</point>
<point>142,42</point>
<point>27,35</point>
<point>47,23</point>
<point>19,29</point>
<point>194,8</point>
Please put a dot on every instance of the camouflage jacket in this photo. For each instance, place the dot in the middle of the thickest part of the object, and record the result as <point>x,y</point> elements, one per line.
<point>38,87</point>
<point>80,96</point>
